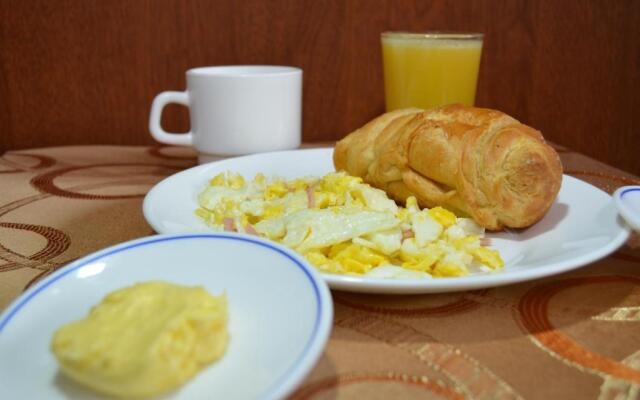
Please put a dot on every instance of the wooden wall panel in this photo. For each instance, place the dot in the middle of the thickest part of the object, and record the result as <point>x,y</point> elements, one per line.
<point>80,72</point>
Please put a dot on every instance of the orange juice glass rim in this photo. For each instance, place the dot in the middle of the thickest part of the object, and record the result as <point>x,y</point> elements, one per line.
<point>433,35</point>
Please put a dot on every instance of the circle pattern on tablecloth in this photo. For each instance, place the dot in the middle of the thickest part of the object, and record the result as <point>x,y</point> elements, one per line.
<point>45,182</point>
<point>333,383</point>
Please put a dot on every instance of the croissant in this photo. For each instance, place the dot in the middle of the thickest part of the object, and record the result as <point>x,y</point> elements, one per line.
<point>476,162</point>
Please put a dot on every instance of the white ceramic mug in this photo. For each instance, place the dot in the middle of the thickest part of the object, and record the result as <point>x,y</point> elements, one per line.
<point>236,110</point>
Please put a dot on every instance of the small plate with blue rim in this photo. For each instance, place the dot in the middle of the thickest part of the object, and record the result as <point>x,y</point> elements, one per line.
<point>627,200</point>
<point>280,313</point>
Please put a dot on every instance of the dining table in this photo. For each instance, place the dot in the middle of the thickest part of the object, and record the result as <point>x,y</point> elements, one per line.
<point>574,335</point>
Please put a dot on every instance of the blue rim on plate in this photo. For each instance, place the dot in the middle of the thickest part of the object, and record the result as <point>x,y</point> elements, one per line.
<point>320,331</point>
<point>624,205</point>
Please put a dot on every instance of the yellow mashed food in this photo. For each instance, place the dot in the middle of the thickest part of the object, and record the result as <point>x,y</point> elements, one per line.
<point>144,340</point>
<point>342,225</point>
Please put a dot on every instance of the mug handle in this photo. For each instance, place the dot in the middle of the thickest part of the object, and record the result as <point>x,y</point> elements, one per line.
<point>159,134</point>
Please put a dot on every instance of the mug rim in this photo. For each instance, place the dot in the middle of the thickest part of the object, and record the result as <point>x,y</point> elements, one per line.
<point>243,70</point>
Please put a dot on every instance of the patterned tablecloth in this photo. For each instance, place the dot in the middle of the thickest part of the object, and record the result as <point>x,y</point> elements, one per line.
<point>575,335</point>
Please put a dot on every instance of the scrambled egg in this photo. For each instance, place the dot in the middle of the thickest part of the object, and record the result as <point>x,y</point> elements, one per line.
<point>144,340</point>
<point>342,225</point>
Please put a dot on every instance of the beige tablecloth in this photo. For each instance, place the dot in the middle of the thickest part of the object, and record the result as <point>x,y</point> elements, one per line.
<point>574,335</point>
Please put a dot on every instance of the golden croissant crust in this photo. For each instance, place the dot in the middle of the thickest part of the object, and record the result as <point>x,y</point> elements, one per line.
<point>474,161</point>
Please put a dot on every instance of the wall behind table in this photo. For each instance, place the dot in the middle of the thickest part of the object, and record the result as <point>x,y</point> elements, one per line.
<point>81,72</point>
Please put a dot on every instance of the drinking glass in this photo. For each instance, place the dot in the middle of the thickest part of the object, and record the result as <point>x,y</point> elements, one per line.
<point>430,69</point>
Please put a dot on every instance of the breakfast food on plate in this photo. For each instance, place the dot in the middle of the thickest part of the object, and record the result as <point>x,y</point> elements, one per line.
<point>342,225</point>
<point>144,340</point>
<point>476,162</point>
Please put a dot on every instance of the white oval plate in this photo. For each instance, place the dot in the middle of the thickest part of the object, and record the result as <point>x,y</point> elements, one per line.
<point>581,227</point>
<point>280,314</point>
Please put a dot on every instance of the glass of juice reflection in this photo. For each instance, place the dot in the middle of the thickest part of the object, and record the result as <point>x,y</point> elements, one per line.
<point>428,70</point>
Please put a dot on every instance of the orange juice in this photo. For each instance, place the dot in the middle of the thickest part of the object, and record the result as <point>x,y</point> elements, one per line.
<point>431,69</point>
